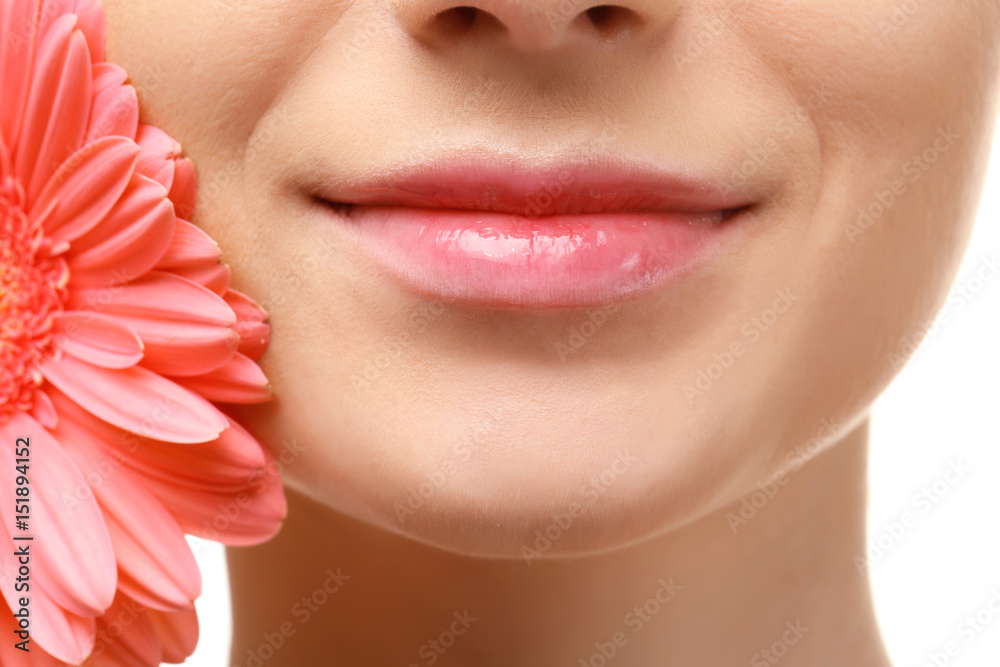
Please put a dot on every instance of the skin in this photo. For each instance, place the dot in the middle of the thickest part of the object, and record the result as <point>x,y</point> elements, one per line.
<point>816,110</point>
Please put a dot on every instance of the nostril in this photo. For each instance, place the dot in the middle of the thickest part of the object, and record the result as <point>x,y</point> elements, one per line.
<point>465,15</point>
<point>457,19</point>
<point>610,18</point>
<point>599,14</point>
<point>461,21</point>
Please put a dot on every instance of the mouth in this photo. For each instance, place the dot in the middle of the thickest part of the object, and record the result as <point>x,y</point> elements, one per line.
<point>502,234</point>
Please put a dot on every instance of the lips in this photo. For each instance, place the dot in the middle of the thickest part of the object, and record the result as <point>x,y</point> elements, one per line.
<point>507,235</point>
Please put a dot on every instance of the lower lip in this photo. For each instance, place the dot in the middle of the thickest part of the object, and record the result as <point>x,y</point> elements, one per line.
<point>501,260</point>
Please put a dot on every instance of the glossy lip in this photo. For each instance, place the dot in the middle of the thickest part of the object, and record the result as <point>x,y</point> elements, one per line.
<point>500,233</point>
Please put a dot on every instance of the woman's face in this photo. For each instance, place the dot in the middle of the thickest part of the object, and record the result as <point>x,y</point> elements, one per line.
<point>855,132</point>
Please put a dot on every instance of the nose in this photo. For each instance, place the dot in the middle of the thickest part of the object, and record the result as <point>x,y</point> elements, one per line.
<point>533,26</point>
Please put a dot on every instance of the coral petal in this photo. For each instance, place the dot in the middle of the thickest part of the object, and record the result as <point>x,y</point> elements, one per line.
<point>185,188</point>
<point>98,339</point>
<point>156,160</point>
<point>162,296</point>
<point>77,563</point>
<point>185,328</point>
<point>225,463</point>
<point>135,644</point>
<point>65,637</point>
<point>115,109</point>
<point>18,24</point>
<point>190,247</point>
<point>55,120</point>
<point>90,16</point>
<point>86,187</point>
<point>255,333</point>
<point>43,411</point>
<point>198,509</point>
<point>156,566</point>
<point>10,656</point>
<point>215,278</point>
<point>178,633</point>
<point>137,400</point>
<point>130,241</point>
<point>239,380</point>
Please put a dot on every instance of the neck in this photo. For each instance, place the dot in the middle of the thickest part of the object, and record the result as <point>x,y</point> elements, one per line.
<point>783,588</point>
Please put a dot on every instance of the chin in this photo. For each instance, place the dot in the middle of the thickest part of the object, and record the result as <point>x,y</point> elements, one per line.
<point>537,494</point>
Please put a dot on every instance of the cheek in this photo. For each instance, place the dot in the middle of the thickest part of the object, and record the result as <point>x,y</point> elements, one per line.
<point>902,159</point>
<point>208,72</point>
<point>883,183</point>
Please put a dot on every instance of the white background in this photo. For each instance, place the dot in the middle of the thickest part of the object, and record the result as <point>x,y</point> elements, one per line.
<point>942,409</point>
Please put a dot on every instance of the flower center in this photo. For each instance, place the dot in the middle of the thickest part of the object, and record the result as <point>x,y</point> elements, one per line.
<point>32,288</point>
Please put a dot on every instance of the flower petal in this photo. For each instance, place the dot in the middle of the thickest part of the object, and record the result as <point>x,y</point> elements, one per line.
<point>10,656</point>
<point>131,240</point>
<point>255,333</point>
<point>91,21</point>
<point>19,26</point>
<point>185,328</point>
<point>226,464</point>
<point>155,563</point>
<point>137,400</point>
<point>65,636</point>
<point>86,187</point>
<point>55,120</point>
<point>43,411</point>
<point>74,559</point>
<point>115,109</point>
<point>178,633</point>
<point>62,634</point>
<point>239,380</point>
<point>126,637</point>
<point>185,188</point>
<point>235,518</point>
<point>158,153</point>
<point>159,295</point>
<point>190,247</point>
<point>215,278</point>
<point>98,339</point>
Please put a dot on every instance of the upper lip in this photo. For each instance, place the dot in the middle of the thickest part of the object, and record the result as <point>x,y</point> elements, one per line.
<point>510,185</point>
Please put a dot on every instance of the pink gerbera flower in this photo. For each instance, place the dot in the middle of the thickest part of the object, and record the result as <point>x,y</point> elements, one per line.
<point>118,334</point>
